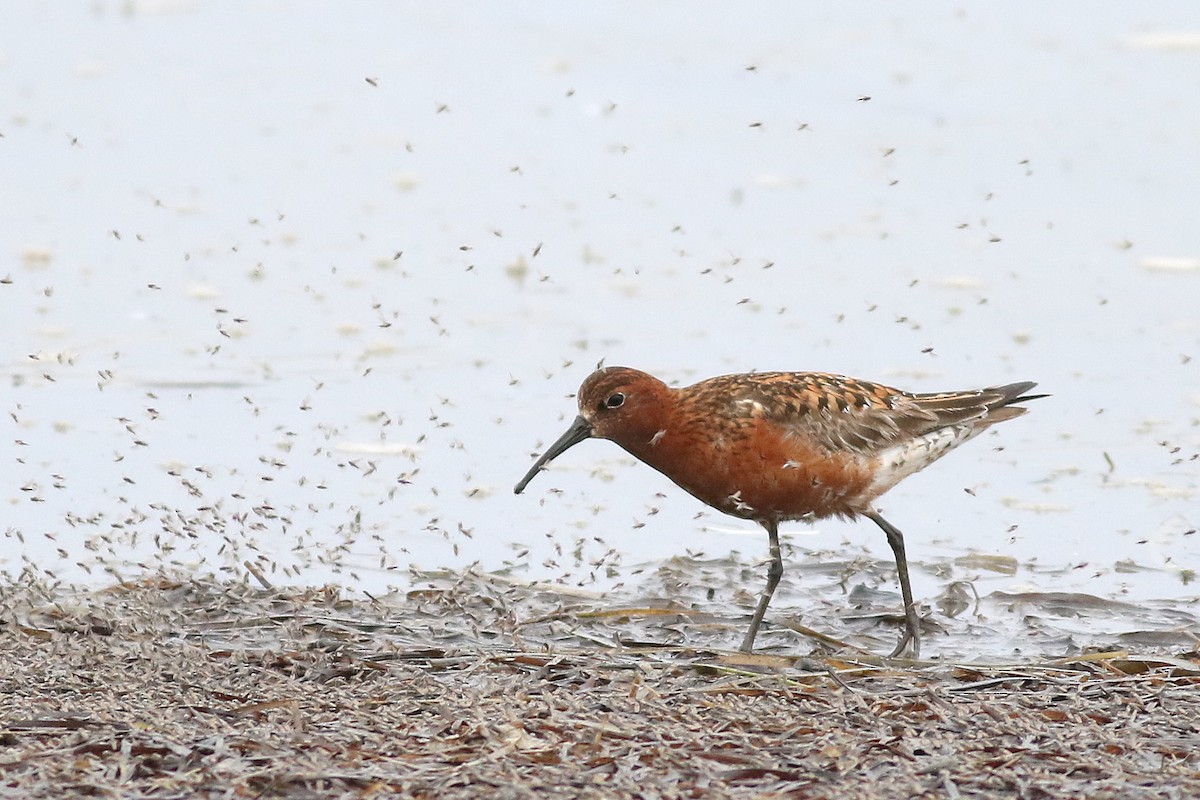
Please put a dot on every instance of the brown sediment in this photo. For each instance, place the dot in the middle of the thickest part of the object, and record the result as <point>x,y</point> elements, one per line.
<point>187,687</point>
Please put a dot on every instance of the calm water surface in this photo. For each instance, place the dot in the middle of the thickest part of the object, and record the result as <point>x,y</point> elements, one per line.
<point>310,287</point>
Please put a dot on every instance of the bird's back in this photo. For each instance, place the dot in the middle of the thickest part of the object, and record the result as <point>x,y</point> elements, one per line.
<point>808,444</point>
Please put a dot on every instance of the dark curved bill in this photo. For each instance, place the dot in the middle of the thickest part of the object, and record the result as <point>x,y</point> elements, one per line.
<point>580,429</point>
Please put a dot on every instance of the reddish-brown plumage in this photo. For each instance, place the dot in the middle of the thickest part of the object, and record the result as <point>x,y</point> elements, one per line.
<point>784,445</point>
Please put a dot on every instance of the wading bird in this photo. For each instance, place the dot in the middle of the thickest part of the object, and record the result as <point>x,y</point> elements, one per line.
<point>775,446</point>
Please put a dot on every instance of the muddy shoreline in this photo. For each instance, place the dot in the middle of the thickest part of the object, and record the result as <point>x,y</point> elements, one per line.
<point>176,687</point>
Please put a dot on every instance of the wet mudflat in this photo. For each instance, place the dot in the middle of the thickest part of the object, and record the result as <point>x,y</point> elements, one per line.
<point>173,687</point>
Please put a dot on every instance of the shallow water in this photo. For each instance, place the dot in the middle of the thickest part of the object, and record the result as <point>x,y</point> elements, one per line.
<point>311,289</point>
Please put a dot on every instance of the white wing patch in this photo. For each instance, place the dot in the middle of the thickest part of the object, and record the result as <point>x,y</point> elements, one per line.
<point>754,405</point>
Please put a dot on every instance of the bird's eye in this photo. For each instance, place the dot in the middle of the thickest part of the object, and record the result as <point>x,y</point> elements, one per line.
<point>615,400</point>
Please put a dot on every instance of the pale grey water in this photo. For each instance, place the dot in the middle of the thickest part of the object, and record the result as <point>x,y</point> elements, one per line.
<point>214,351</point>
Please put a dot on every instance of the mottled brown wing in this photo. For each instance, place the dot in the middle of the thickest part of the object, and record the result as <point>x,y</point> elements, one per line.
<point>840,413</point>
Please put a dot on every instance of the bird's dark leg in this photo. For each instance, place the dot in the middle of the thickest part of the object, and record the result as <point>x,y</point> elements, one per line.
<point>774,573</point>
<point>912,629</point>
